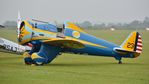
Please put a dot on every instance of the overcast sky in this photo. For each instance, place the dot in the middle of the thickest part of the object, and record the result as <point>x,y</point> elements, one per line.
<point>96,11</point>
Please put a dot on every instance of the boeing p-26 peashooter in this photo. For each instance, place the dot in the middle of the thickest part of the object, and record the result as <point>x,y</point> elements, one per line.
<point>49,41</point>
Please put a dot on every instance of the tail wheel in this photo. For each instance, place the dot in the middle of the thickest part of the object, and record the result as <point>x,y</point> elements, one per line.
<point>120,62</point>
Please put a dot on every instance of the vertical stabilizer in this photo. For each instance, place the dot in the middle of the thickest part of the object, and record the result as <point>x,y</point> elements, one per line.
<point>133,43</point>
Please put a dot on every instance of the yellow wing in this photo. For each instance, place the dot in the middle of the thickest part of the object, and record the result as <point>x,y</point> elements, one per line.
<point>64,43</point>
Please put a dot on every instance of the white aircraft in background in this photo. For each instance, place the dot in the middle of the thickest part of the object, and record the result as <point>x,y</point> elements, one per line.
<point>8,45</point>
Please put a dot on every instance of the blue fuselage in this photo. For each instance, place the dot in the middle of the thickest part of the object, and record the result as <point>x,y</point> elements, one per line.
<point>106,48</point>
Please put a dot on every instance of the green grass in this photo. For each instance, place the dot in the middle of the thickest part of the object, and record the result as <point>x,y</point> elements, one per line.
<point>78,69</point>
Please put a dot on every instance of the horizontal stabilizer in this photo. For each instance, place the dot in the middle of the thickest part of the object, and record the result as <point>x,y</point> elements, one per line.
<point>120,50</point>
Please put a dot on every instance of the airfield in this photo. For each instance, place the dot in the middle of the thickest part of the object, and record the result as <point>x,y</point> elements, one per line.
<point>78,69</point>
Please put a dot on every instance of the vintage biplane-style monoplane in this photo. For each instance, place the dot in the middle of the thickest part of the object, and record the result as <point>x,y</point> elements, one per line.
<point>49,41</point>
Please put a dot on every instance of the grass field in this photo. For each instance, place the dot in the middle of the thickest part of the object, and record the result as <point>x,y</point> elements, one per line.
<point>78,69</point>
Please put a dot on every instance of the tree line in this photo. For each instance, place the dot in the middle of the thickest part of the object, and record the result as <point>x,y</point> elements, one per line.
<point>87,24</point>
<point>134,24</point>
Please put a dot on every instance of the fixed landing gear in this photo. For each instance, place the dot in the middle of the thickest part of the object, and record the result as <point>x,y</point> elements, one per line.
<point>28,61</point>
<point>38,64</point>
<point>120,62</point>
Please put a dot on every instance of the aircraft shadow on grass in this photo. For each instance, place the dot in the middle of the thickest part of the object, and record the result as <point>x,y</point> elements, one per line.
<point>89,64</point>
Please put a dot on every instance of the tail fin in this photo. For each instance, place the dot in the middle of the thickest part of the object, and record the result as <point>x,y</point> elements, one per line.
<point>18,23</point>
<point>133,44</point>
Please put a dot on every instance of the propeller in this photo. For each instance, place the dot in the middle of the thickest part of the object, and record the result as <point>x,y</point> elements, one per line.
<point>18,24</point>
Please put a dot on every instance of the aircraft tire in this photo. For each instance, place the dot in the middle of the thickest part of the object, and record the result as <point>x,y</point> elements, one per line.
<point>28,61</point>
